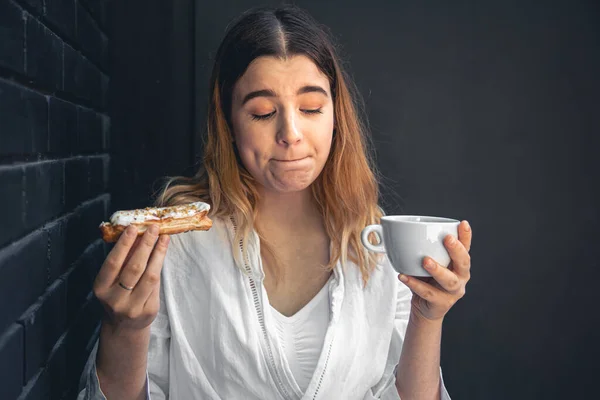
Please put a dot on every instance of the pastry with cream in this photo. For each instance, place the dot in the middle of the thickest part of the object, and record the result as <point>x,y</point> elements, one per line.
<point>170,220</point>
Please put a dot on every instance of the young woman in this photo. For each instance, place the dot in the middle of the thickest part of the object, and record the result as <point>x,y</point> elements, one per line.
<point>279,300</point>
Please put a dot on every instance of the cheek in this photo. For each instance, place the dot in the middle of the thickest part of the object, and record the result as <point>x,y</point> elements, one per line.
<point>242,134</point>
<point>325,151</point>
<point>237,126</point>
<point>252,149</point>
<point>252,144</point>
<point>246,150</point>
<point>324,140</point>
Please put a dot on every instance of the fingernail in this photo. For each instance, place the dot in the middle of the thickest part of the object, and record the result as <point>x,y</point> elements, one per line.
<point>429,264</point>
<point>164,239</point>
<point>153,229</point>
<point>131,230</point>
<point>451,239</point>
<point>403,278</point>
<point>467,226</point>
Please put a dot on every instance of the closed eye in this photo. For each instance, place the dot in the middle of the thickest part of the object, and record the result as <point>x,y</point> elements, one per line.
<point>315,111</point>
<point>262,117</point>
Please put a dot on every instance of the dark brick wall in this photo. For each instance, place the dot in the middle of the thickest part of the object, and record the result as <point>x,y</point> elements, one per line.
<point>54,163</point>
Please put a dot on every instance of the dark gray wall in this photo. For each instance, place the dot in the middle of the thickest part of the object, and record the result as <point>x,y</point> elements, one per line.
<point>489,111</point>
<point>151,96</point>
<point>483,111</point>
<point>54,160</point>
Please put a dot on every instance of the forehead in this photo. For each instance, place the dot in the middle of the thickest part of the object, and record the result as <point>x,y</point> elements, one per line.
<point>281,75</point>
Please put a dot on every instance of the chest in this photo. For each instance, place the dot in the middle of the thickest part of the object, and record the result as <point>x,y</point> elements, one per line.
<point>296,274</point>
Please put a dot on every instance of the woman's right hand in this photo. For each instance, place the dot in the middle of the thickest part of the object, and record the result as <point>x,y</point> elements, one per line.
<point>128,283</point>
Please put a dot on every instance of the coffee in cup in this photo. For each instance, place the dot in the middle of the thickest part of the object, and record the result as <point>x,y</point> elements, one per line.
<point>407,239</point>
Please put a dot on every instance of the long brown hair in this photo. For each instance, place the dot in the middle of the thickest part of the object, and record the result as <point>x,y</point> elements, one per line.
<point>346,191</point>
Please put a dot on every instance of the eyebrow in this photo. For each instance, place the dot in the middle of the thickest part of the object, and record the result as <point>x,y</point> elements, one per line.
<point>270,93</point>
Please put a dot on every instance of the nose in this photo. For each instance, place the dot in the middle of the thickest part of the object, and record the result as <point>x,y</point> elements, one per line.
<point>289,131</point>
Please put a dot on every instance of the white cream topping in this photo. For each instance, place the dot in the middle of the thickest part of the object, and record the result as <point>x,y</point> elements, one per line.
<point>127,217</point>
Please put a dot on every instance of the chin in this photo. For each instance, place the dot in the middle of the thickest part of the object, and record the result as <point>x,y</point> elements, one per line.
<point>287,186</point>
<point>290,188</point>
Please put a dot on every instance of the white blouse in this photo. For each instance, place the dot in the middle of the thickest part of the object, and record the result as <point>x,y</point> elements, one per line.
<point>301,335</point>
<point>215,337</point>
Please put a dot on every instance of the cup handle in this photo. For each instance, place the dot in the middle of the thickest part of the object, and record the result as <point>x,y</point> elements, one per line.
<point>364,237</point>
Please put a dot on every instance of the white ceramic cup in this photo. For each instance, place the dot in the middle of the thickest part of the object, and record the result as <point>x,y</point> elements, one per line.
<point>407,239</point>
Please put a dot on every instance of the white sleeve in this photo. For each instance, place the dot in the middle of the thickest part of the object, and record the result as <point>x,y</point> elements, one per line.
<point>89,387</point>
<point>389,391</point>
<point>159,353</point>
<point>157,376</point>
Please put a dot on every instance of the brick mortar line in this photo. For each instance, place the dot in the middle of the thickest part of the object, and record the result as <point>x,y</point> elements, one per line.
<point>89,248</point>
<point>85,203</point>
<point>45,226</point>
<point>24,17</point>
<point>48,255</point>
<point>74,264</point>
<point>61,340</point>
<point>27,9</point>
<point>23,198</point>
<point>63,277</point>
<point>4,167</point>
<point>41,298</point>
<point>96,22</point>
<point>17,79</point>
<point>6,162</point>
<point>49,131</point>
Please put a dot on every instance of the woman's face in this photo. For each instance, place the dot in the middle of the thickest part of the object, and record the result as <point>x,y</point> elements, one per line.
<point>282,117</point>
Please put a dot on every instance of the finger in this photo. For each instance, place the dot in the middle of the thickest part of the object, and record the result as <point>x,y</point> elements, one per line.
<point>114,260</point>
<point>151,277</point>
<point>461,260</point>
<point>446,278</point>
<point>424,290</point>
<point>133,270</point>
<point>132,249</point>
<point>465,234</point>
<point>152,304</point>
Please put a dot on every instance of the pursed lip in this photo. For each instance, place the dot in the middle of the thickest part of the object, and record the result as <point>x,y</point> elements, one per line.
<point>297,159</point>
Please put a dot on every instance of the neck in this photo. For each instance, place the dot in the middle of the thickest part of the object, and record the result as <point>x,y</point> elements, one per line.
<point>295,211</point>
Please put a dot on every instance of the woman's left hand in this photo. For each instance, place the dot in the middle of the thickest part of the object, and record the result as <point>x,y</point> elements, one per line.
<point>433,297</point>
